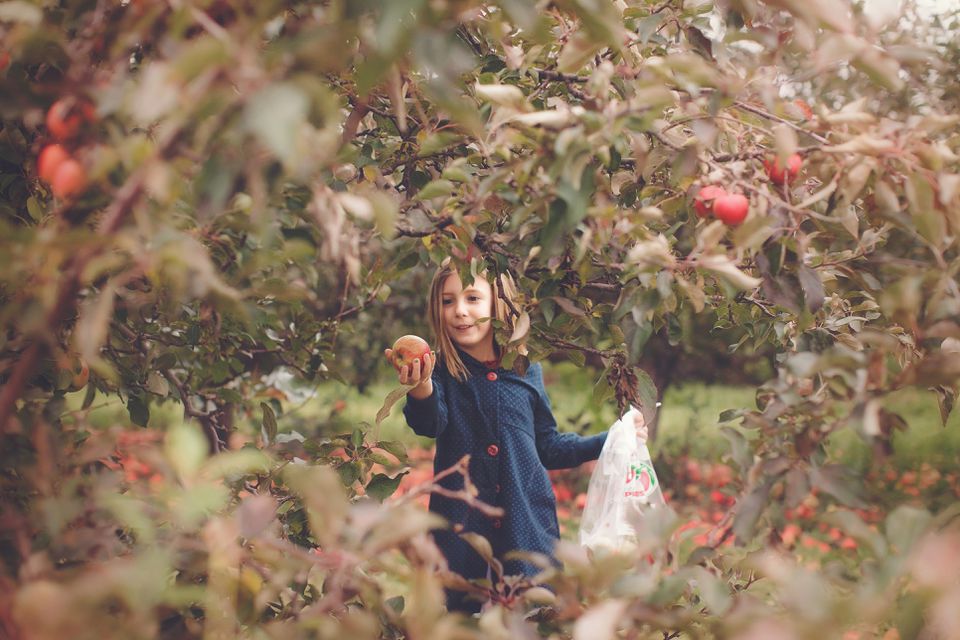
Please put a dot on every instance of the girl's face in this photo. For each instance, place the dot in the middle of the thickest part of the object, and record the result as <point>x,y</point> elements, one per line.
<point>462,311</point>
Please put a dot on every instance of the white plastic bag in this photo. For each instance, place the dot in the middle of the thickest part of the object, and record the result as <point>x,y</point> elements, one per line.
<point>623,486</point>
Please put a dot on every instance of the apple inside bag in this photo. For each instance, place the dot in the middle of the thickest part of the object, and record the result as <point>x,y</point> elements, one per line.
<point>622,487</point>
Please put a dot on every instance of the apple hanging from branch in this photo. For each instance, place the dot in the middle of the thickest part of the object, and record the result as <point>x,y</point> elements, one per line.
<point>703,202</point>
<point>779,174</point>
<point>731,208</point>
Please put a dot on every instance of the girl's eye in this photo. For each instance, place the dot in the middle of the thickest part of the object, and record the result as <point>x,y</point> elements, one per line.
<point>473,298</point>
<point>446,302</point>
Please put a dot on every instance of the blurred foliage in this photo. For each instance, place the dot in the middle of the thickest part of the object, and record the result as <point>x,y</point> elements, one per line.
<point>262,189</point>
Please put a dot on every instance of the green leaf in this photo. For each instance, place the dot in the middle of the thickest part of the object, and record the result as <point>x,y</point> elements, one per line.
<point>577,357</point>
<point>739,448</point>
<point>20,11</point>
<point>904,526</point>
<point>436,142</point>
<point>198,502</point>
<point>165,360</point>
<point>89,397</point>
<point>813,291</point>
<point>713,592</point>
<point>277,116</point>
<point>435,189</point>
<point>242,462</point>
<point>397,21</point>
<point>92,327</point>
<point>139,411</point>
<point>748,511</point>
<point>729,415</point>
<point>946,397</point>
<point>269,423</point>
<point>396,449</point>
<point>521,12</point>
<point>395,603</point>
<point>349,473</point>
<point>385,212</point>
<point>647,392</point>
<point>35,209</point>
<point>186,448</point>
<point>930,223</point>
<point>647,27</point>
<point>838,482</point>
<point>483,548</point>
<point>853,526</point>
<point>381,486</point>
<point>157,384</point>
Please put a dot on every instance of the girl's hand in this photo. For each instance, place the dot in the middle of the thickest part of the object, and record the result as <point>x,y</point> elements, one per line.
<point>414,374</point>
<point>640,425</point>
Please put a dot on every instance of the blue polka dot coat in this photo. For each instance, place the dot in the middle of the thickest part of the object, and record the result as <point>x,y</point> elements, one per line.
<point>504,421</point>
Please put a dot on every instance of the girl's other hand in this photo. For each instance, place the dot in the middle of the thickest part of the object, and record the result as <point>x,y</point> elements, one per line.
<point>415,373</point>
<point>640,425</point>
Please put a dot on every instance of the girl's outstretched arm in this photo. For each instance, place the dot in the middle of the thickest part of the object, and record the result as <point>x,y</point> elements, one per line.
<point>559,450</point>
<point>426,408</point>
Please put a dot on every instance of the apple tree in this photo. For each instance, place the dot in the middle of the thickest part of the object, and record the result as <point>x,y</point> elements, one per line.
<point>202,196</point>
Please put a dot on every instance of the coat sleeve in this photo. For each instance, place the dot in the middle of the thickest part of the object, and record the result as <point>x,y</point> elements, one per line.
<point>427,417</point>
<point>559,450</point>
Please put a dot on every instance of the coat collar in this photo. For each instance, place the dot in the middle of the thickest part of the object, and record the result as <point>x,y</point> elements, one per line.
<point>477,366</point>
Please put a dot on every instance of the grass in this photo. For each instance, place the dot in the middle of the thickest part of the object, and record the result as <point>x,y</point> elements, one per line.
<point>688,418</point>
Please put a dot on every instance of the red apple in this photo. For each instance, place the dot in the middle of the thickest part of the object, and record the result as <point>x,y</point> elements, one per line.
<point>779,175</point>
<point>407,349</point>
<point>49,160</point>
<point>731,208</point>
<point>81,375</point>
<point>66,116</point>
<point>69,179</point>
<point>703,202</point>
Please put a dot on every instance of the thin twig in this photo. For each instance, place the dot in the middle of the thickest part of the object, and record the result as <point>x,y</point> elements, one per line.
<point>770,116</point>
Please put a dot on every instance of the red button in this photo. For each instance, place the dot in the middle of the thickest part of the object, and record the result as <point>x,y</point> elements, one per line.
<point>497,523</point>
<point>493,450</point>
<point>498,488</point>
<point>492,376</point>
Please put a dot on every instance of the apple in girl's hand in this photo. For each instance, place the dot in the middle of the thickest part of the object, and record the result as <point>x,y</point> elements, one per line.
<point>407,349</point>
<point>703,202</point>
<point>731,208</point>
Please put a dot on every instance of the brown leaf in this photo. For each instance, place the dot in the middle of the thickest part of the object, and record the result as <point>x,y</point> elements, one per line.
<point>389,401</point>
<point>600,621</point>
<point>568,306</point>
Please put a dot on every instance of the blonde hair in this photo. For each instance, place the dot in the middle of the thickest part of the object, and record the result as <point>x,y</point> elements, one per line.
<point>503,289</point>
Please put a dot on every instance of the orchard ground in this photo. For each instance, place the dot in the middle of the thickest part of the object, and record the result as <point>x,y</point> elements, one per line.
<point>691,452</point>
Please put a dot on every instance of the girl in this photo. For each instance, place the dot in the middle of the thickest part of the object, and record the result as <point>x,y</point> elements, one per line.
<point>502,419</point>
